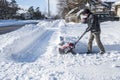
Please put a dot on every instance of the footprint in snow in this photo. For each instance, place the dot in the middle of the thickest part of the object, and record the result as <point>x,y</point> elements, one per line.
<point>116,66</point>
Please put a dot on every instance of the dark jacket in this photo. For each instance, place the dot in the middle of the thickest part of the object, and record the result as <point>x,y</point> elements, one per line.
<point>93,23</point>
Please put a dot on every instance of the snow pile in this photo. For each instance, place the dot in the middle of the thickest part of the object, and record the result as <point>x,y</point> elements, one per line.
<point>34,54</point>
<point>16,43</point>
<point>50,24</point>
<point>18,40</point>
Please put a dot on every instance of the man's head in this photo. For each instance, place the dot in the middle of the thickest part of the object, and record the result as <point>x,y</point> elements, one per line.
<point>86,12</point>
<point>84,15</point>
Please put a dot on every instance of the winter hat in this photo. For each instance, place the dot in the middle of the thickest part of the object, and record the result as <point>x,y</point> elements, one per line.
<point>86,11</point>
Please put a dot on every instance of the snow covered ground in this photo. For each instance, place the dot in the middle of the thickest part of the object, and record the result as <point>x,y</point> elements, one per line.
<point>30,53</point>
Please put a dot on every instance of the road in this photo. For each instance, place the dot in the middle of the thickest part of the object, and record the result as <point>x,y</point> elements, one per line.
<point>6,29</point>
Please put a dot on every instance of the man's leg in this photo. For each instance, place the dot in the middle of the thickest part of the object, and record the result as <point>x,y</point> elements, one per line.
<point>90,43</point>
<point>99,43</point>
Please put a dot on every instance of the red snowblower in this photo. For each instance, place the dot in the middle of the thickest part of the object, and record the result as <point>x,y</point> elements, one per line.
<point>65,48</point>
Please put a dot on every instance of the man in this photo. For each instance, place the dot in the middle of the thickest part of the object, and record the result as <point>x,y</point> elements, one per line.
<point>94,28</point>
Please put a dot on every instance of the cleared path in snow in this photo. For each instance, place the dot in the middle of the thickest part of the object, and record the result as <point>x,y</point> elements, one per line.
<point>37,48</point>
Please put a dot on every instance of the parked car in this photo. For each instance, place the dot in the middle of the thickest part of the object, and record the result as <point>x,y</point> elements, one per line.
<point>106,17</point>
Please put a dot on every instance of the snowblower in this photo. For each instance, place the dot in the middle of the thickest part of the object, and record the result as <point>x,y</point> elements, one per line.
<point>65,48</point>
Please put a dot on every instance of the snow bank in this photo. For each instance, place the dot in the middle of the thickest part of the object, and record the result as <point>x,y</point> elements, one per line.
<point>16,41</point>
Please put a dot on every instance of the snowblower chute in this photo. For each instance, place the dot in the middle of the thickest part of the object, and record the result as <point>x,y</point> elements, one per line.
<point>65,48</point>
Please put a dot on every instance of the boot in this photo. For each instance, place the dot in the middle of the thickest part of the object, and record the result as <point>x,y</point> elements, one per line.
<point>102,52</point>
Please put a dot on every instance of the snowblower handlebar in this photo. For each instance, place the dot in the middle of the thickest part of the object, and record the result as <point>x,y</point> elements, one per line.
<point>80,37</point>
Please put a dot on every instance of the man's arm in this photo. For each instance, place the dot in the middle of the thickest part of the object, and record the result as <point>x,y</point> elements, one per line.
<point>90,23</point>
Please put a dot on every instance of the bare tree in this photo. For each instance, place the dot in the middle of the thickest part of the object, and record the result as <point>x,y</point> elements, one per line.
<point>8,9</point>
<point>64,6</point>
<point>3,8</point>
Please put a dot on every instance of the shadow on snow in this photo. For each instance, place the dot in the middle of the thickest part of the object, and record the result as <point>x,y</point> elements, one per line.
<point>81,48</point>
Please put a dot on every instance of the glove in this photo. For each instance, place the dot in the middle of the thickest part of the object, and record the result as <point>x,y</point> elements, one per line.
<point>88,29</point>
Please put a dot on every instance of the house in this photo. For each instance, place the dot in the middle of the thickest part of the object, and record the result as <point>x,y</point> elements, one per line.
<point>96,6</point>
<point>24,14</point>
<point>117,8</point>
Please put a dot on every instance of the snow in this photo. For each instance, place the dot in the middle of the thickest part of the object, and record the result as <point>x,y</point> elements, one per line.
<point>109,0</point>
<point>31,53</point>
<point>117,3</point>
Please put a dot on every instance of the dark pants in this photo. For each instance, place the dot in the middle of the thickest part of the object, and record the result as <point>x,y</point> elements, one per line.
<point>95,35</point>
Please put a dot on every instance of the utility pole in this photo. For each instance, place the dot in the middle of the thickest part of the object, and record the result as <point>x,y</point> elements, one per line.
<point>48,8</point>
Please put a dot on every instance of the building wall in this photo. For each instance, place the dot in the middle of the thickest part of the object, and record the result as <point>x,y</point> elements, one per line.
<point>118,10</point>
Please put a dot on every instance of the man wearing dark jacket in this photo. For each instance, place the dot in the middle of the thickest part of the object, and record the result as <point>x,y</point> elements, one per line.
<point>94,28</point>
